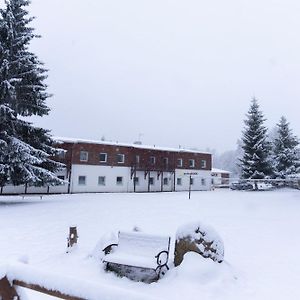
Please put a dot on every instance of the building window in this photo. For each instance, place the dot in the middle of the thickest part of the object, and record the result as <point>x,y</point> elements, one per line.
<point>179,181</point>
<point>151,180</point>
<point>192,163</point>
<point>120,158</point>
<point>119,180</point>
<point>101,180</point>
<point>203,163</point>
<point>137,159</point>
<point>165,161</point>
<point>136,180</point>
<point>103,157</point>
<point>166,181</point>
<point>81,180</point>
<point>203,181</point>
<point>192,181</point>
<point>84,156</point>
<point>152,160</point>
<point>179,162</point>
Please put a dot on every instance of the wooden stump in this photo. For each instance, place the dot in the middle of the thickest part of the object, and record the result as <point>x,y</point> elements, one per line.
<point>7,290</point>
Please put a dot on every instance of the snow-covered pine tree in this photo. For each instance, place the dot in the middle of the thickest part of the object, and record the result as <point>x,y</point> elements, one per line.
<point>286,158</point>
<point>256,160</point>
<point>26,151</point>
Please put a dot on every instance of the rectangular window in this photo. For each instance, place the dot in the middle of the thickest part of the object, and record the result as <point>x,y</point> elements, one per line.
<point>137,159</point>
<point>81,180</point>
<point>152,160</point>
<point>192,181</point>
<point>179,181</point>
<point>166,181</point>
<point>103,157</point>
<point>203,181</point>
<point>84,156</point>
<point>120,158</point>
<point>165,161</point>
<point>101,180</point>
<point>179,162</point>
<point>136,180</point>
<point>151,180</point>
<point>119,180</point>
<point>203,164</point>
<point>192,163</point>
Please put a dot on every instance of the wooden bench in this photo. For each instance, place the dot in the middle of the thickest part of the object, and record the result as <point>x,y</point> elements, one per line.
<point>138,256</point>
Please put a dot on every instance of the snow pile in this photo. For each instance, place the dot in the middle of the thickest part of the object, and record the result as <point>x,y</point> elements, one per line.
<point>200,238</point>
<point>106,240</point>
<point>70,285</point>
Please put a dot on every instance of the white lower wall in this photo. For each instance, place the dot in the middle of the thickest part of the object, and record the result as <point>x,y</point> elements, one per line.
<point>92,173</point>
<point>202,181</point>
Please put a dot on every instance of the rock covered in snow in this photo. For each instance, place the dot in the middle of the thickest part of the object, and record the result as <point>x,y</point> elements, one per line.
<point>200,238</point>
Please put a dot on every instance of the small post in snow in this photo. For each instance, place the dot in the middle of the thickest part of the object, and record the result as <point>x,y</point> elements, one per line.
<point>72,239</point>
<point>190,186</point>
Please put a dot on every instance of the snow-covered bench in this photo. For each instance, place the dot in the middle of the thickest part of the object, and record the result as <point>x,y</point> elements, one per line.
<point>138,256</point>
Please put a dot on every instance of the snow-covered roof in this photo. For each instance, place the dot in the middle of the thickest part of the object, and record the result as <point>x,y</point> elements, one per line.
<point>215,170</point>
<point>140,146</point>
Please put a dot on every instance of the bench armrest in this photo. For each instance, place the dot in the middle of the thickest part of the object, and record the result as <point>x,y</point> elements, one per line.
<point>159,262</point>
<point>108,248</point>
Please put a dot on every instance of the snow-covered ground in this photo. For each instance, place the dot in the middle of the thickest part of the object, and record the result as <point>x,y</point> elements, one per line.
<point>260,231</point>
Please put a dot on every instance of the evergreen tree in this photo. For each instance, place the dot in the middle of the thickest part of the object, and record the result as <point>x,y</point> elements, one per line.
<point>286,158</point>
<point>25,150</point>
<point>255,163</point>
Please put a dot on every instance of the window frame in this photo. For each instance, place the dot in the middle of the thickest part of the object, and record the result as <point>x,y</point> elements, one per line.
<point>104,181</point>
<point>81,177</point>
<point>87,155</point>
<point>103,161</point>
<point>119,182</point>
<point>178,181</point>
<point>193,163</point>
<point>136,180</point>
<point>181,162</point>
<point>152,160</point>
<point>151,181</point>
<point>203,164</point>
<point>120,155</point>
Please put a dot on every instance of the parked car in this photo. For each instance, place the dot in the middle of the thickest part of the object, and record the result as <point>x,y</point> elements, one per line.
<point>247,186</point>
<point>262,186</point>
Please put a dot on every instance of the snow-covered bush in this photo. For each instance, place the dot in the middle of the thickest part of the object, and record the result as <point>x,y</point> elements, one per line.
<point>199,238</point>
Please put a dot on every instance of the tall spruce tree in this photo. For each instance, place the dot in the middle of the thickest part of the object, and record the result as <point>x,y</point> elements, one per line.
<point>25,150</point>
<point>256,162</point>
<point>286,158</point>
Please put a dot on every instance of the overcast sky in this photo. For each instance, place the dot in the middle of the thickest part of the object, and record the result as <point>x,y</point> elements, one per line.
<point>178,72</point>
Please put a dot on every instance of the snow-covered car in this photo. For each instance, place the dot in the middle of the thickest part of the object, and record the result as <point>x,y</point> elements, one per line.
<point>241,186</point>
<point>262,186</point>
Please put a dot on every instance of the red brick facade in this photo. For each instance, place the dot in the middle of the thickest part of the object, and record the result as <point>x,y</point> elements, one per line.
<point>165,160</point>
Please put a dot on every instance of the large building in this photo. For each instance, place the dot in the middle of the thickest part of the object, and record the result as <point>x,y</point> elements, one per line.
<point>101,166</point>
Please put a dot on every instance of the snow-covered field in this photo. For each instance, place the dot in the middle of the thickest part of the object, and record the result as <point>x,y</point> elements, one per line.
<point>260,231</point>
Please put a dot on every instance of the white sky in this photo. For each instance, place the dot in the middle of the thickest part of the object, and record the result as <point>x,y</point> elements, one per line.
<point>179,72</point>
